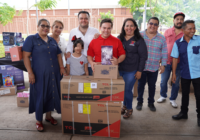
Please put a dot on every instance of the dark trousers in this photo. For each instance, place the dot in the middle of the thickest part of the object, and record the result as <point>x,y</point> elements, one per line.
<point>90,71</point>
<point>150,78</point>
<point>185,85</point>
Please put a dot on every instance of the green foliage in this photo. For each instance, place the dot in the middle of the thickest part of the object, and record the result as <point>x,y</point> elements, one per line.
<point>106,15</point>
<point>164,10</point>
<point>132,4</point>
<point>19,13</point>
<point>45,4</point>
<point>6,13</point>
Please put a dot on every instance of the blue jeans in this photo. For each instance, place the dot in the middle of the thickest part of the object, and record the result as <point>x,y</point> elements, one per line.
<point>151,78</point>
<point>129,79</point>
<point>164,80</point>
<point>90,71</point>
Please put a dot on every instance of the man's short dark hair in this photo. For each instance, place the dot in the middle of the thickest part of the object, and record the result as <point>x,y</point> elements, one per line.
<point>106,20</point>
<point>83,12</point>
<point>187,22</point>
<point>154,18</point>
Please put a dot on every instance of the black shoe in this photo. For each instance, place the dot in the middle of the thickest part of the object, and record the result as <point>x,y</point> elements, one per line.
<point>180,116</point>
<point>152,107</point>
<point>139,106</point>
<point>198,122</point>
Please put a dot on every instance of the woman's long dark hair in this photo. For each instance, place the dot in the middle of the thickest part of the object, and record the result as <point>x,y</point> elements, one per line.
<point>137,34</point>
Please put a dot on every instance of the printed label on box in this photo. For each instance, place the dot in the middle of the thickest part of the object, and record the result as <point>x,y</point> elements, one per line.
<point>87,88</point>
<point>93,85</point>
<point>80,108</point>
<point>6,91</point>
<point>86,109</point>
<point>80,87</point>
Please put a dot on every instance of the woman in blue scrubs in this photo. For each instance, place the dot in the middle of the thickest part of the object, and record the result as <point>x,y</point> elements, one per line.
<point>44,72</point>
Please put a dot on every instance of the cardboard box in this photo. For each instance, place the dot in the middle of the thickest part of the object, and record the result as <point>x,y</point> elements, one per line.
<point>89,88</point>
<point>7,91</point>
<point>16,53</point>
<point>91,118</point>
<point>23,99</point>
<point>22,102</point>
<point>17,74</point>
<point>106,71</point>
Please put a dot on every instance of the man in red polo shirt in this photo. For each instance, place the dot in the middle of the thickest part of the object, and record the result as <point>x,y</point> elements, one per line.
<point>105,39</point>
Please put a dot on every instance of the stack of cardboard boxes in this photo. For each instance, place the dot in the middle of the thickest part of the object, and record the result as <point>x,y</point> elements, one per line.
<point>92,105</point>
<point>10,48</point>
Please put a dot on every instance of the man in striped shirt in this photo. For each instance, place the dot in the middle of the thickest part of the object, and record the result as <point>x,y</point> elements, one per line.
<point>157,51</point>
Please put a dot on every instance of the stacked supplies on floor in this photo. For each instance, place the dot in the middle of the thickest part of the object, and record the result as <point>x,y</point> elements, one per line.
<point>23,99</point>
<point>7,73</point>
<point>7,86</point>
<point>12,42</point>
<point>92,106</point>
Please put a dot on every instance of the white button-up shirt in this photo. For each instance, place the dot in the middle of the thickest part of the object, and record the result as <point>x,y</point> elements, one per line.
<point>87,38</point>
<point>63,46</point>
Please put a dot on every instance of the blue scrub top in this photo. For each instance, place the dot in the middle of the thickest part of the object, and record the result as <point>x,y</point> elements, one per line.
<point>189,56</point>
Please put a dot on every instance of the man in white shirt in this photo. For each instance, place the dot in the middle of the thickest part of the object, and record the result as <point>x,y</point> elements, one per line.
<point>85,32</point>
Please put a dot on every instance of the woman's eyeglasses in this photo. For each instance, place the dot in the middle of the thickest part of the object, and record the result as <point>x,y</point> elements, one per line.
<point>43,26</point>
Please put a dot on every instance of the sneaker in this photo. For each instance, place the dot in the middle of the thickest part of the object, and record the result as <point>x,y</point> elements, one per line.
<point>139,106</point>
<point>152,107</point>
<point>161,99</point>
<point>173,103</point>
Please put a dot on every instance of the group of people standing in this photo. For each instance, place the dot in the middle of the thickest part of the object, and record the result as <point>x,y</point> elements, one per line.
<point>139,55</point>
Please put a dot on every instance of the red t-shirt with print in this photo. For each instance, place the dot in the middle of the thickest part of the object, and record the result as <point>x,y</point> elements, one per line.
<point>94,48</point>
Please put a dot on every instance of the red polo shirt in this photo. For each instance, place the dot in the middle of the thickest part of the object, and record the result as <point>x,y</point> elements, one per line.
<point>94,48</point>
<point>171,37</point>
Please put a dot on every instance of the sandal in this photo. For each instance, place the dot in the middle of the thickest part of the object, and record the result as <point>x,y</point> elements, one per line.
<point>39,125</point>
<point>128,113</point>
<point>52,121</point>
<point>123,110</point>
